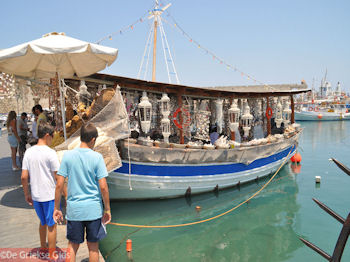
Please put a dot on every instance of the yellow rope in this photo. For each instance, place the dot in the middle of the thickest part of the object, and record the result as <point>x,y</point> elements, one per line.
<point>211,218</point>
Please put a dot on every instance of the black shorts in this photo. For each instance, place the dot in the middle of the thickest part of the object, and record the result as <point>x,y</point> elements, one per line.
<point>95,231</point>
<point>23,143</point>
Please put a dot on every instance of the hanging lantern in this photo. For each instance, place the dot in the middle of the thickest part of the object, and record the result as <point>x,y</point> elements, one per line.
<point>287,113</point>
<point>145,113</point>
<point>233,116</point>
<point>246,120</point>
<point>165,105</point>
<point>165,123</point>
<point>278,117</point>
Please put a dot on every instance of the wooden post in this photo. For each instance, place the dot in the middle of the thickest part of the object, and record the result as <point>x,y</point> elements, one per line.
<point>292,106</point>
<point>233,134</point>
<point>268,121</point>
<point>179,103</point>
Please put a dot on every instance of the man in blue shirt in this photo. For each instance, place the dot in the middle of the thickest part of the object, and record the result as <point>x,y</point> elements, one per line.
<point>87,187</point>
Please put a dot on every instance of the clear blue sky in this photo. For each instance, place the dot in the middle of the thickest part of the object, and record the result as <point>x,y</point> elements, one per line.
<point>276,41</point>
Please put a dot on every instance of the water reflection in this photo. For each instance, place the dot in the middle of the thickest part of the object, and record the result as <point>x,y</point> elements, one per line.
<point>261,230</point>
<point>324,132</point>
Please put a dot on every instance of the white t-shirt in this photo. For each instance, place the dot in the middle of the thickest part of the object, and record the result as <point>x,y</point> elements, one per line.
<point>41,162</point>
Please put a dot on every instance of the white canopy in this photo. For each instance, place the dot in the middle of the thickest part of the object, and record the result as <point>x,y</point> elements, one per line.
<point>56,53</point>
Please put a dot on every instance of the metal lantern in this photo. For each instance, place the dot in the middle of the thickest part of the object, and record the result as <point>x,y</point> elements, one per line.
<point>165,123</point>
<point>165,105</point>
<point>287,113</point>
<point>233,116</point>
<point>278,118</point>
<point>145,113</point>
<point>246,120</point>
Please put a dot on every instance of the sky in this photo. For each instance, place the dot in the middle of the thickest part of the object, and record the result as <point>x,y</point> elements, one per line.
<point>273,41</point>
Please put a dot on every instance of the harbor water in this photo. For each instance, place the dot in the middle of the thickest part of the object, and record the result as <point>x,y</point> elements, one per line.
<point>264,229</point>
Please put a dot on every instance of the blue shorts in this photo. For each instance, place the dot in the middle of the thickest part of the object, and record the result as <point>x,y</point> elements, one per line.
<point>44,210</point>
<point>12,141</point>
<point>95,231</point>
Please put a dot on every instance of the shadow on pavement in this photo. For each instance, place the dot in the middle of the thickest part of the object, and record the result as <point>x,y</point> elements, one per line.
<point>8,178</point>
<point>15,198</point>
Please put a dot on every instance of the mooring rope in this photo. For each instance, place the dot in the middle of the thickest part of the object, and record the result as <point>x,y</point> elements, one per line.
<point>214,217</point>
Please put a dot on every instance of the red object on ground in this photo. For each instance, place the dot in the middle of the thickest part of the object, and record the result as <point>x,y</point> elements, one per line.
<point>128,245</point>
<point>319,116</point>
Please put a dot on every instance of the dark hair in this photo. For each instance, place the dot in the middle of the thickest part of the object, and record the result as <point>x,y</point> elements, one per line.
<point>45,128</point>
<point>24,114</point>
<point>39,107</point>
<point>88,132</point>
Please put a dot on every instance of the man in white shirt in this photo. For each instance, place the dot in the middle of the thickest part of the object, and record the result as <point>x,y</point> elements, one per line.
<point>40,164</point>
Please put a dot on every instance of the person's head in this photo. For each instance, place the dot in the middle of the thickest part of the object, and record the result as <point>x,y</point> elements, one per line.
<point>88,135</point>
<point>45,132</point>
<point>12,115</point>
<point>24,115</point>
<point>38,109</point>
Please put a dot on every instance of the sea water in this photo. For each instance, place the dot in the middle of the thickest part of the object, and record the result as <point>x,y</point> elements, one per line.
<point>264,229</point>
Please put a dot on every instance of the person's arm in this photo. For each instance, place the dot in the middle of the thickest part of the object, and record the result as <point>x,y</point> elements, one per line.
<point>24,180</point>
<point>57,214</point>
<point>105,196</point>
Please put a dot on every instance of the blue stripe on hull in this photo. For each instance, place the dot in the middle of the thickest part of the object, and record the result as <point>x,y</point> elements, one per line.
<point>198,170</point>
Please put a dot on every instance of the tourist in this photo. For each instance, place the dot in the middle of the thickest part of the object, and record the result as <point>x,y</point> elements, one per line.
<point>13,137</point>
<point>86,173</point>
<point>22,130</point>
<point>214,135</point>
<point>40,165</point>
<point>38,111</point>
<point>33,139</point>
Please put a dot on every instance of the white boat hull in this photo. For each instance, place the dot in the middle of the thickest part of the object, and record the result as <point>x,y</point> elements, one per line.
<point>321,116</point>
<point>134,186</point>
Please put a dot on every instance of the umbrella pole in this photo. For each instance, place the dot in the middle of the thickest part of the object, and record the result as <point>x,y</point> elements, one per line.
<point>63,112</point>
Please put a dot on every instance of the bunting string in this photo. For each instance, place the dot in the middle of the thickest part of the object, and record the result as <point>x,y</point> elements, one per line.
<point>176,25</point>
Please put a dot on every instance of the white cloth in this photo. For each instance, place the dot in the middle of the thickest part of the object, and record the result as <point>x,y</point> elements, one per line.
<point>34,129</point>
<point>41,162</point>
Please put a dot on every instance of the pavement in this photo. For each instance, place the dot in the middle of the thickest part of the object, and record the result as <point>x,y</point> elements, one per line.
<point>18,221</point>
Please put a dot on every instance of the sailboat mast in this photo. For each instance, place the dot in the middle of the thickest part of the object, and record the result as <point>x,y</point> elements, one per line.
<point>155,42</point>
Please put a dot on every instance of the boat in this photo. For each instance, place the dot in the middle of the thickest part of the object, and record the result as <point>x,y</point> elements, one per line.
<point>177,163</point>
<point>169,152</point>
<point>325,105</point>
<point>326,112</point>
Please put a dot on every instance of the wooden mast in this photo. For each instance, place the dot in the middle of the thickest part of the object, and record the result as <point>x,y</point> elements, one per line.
<point>292,120</point>
<point>268,120</point>
<point>154,47</point>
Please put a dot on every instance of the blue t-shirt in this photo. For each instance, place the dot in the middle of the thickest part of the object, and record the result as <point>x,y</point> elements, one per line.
<point>83,167</point>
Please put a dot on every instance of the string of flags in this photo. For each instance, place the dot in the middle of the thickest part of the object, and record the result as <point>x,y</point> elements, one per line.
<point>214,56</point>
<point>125,29</point>
<point>191,40</point>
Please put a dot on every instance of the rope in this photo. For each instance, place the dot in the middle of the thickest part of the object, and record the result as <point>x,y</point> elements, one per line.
<point>211,218</point>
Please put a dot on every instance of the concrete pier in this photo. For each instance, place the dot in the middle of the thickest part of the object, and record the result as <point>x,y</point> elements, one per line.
<point>18,221</point>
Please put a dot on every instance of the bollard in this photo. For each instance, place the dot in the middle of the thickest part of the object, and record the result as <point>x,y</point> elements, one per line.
<point>318,179</point>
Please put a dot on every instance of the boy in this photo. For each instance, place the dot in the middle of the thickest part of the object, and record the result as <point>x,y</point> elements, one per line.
<point>87,187</point>
<point>40,164</point>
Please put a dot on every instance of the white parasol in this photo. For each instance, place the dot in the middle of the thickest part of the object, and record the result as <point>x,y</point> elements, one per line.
<point>56,53</point>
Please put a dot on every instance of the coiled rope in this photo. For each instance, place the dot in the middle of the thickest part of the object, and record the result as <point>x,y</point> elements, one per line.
<point>214,217</point>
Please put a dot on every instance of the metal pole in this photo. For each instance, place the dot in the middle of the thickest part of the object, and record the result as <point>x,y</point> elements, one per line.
<point>63,112</point>
<point>154,48</point>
